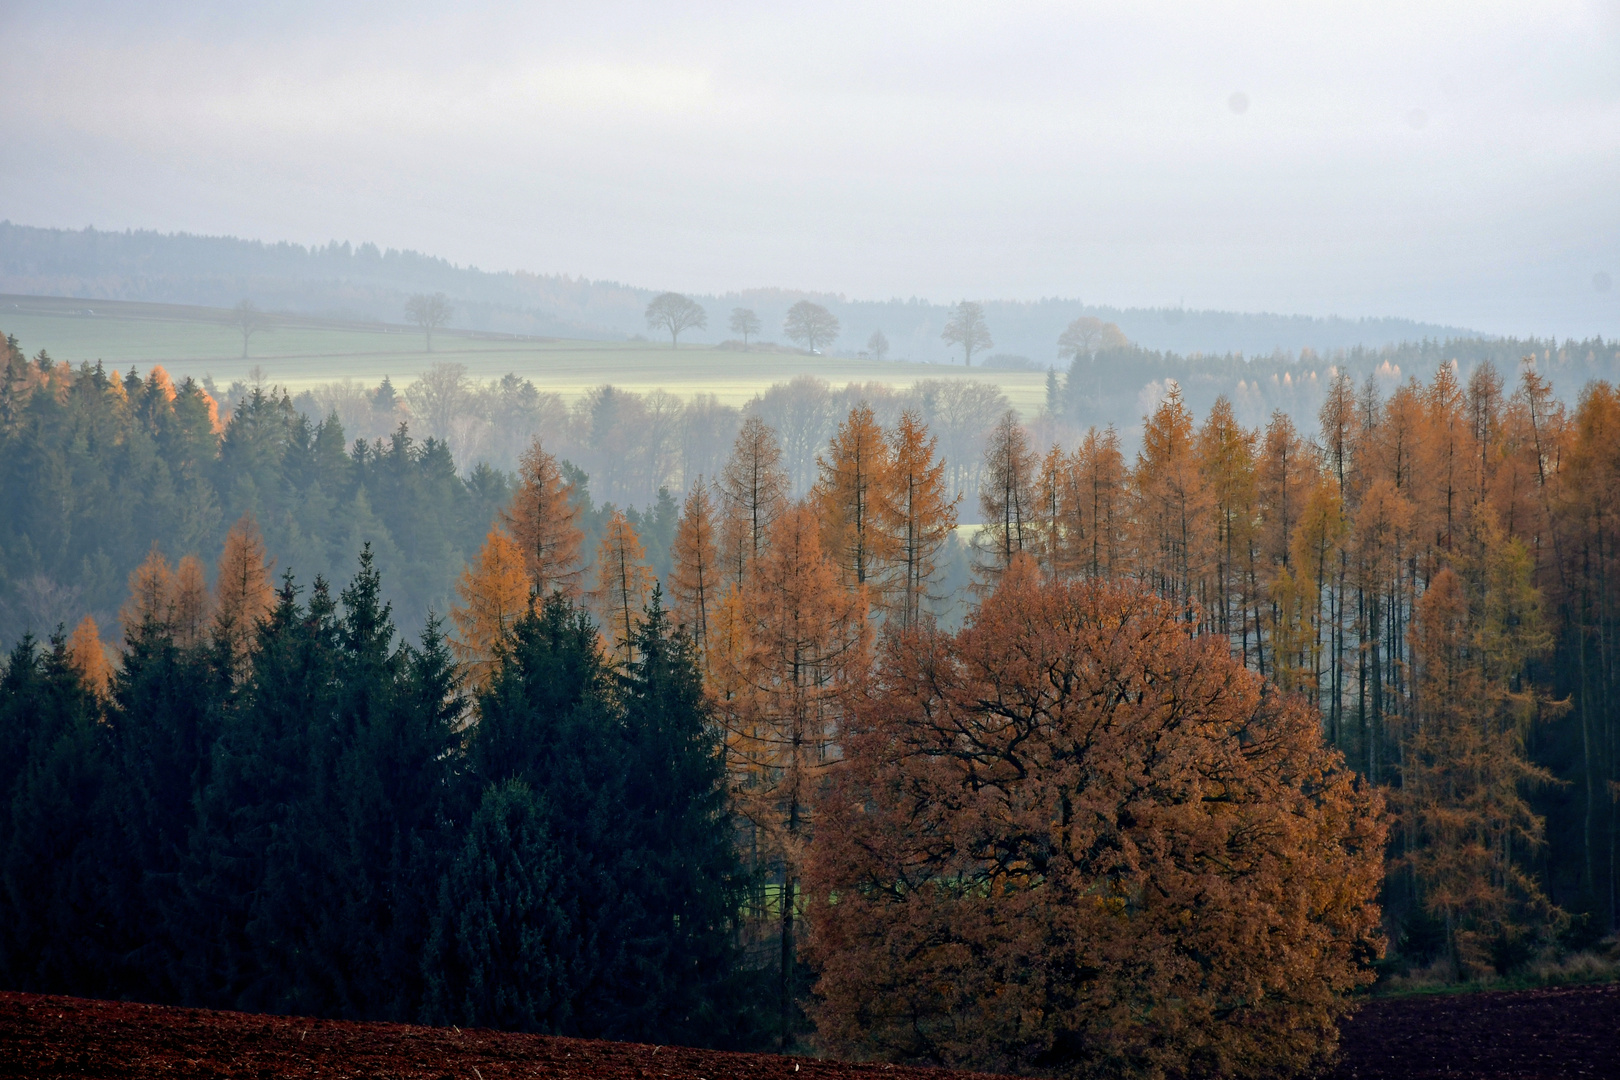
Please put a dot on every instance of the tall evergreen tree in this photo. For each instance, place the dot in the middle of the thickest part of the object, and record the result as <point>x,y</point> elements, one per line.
<point>165,714</point>
<point>502,951</point>
<point>55,932</point>
<point>684,864</point>
<point>254,868</point>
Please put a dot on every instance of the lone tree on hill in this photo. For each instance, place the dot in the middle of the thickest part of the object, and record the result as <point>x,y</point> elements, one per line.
<point>877,345</point>
<point>672,313</point>
<point>1086,335</point>
<point>247,317</point>
<point>811,325</point>
<point>429,313</point>
<point>744,322</point>
<point>966,328</point>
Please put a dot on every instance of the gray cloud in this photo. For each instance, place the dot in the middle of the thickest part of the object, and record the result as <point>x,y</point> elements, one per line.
<point>1456,163</point>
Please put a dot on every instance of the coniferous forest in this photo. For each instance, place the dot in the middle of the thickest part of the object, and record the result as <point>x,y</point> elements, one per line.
<point>1230,731</point>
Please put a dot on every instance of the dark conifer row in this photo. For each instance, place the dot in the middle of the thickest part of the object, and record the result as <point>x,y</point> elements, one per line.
<point>341,833</point>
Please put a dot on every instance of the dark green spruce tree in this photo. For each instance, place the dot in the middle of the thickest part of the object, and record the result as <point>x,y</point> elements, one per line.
<point>502,953</point>
<point>634,855</point>
<point>542,759</point>
<point>163,721</point>
<point>254,864</point>
<point>56,934</point>
<point>390,800</point>
<point>676,837</point>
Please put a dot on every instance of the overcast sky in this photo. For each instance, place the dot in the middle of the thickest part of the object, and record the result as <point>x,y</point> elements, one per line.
<point>1457,163</point>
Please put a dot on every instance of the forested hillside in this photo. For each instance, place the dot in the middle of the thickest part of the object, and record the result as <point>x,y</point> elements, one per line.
<point>1237,720</point>
<point>96,468</point>
<point>366,282</point>
<point>1119,385</point>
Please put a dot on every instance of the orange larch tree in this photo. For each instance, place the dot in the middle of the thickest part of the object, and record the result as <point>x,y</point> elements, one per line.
<point>624,584</point>
<point>242,592</point>
<point>544,522</point>
<point>804,643</point>
<point>1314,554</point>
<point>1098,513</point>
<point>1513,482</point>
<point>1049,526</point>
<point>192,606</point>
<point>917,514</point>
<point>88,656</point>
<point>1462,797</point>
<point>1342,454</point>
<point>1447,456</point>
<point>1174,505</point>
<point>1485,409</point>
<point>753,491</point>
<point>1226,453</point>
<point>495,591</point>
<point>1381,533</point>
<point>853,473</point>
<point>695,576</point>
<point>1393,453</point>
<point>150,605</point>
<point>1006,499</point>
<point>1284,472</point>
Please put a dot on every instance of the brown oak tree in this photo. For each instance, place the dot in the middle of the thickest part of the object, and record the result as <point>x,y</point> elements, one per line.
<point>1077,839</point>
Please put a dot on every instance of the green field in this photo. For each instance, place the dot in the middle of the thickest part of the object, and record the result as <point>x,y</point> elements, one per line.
<point>298,353</point>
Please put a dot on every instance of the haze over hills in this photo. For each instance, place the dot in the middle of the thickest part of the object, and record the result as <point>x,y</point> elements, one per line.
<point>366,282</point>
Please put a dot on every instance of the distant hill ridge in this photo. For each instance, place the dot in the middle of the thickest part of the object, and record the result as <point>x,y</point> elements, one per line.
<point>366,282</point>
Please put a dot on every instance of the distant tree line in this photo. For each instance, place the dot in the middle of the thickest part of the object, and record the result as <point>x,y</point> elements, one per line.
<point>372,284</point>
<point>1110,381</point>
<point>632,445</point>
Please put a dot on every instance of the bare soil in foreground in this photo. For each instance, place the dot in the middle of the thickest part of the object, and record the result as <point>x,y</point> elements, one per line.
<point>1563,1032</point>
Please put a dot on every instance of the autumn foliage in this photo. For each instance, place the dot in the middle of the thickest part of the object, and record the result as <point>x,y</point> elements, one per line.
<point>915,513</point>
<point>88,656</point>
<point>1127,820</point>
<point>494,594</point>
<point>624,585</point>
<point>245,595</point>
<point>1079,839</point>
<point>695,580</point>
<point>545,524</point>
<point>796,646</point>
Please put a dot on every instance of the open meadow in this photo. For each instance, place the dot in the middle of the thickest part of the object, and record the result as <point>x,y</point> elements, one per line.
<point>298,353</point>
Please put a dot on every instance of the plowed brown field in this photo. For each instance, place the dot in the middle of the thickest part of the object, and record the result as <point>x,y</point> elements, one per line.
<point>1568,1032</point>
